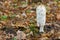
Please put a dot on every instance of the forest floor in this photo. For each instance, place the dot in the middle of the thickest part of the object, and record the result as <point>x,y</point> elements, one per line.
<point>52,32</point>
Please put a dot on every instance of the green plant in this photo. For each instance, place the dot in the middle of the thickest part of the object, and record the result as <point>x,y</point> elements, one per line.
<point>3,17</point>
<point>33,29</point>
<point>15,6</point>
<point>28,11</point>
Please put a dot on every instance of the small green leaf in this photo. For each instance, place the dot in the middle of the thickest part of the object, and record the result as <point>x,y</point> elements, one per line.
<point>14,38</point>
<point>4,17</point>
